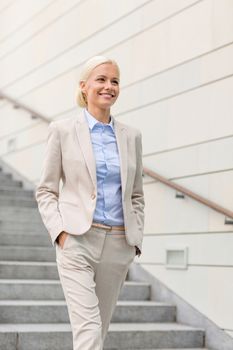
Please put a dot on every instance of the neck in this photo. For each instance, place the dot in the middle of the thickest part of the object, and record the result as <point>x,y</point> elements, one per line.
<point>102,115</point>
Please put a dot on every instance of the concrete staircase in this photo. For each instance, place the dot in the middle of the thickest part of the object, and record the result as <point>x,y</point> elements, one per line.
<point>33,314</point>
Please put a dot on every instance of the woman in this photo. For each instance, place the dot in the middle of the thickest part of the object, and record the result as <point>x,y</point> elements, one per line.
<point>96,219</point>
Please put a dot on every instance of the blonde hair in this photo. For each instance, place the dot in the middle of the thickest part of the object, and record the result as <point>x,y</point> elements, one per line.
<point>85,73</point>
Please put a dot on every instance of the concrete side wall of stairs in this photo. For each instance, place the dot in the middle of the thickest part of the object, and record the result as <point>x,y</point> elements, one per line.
<point>215,337</point>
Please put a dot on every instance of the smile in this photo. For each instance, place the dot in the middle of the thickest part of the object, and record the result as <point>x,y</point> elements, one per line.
<point>106,94</point>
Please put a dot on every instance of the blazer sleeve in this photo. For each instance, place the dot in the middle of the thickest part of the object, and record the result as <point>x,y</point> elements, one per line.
<point>47,191</point>
<point>138,193</point>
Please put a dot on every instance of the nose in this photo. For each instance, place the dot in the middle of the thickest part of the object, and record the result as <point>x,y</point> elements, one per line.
<point>108,84</point>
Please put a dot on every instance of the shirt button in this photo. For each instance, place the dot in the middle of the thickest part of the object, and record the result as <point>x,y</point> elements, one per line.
<point>93,196</point>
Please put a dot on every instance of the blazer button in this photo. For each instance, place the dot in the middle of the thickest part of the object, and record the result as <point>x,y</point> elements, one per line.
<point>93,196</point>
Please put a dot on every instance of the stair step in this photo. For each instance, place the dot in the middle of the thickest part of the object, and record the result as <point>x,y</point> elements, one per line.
<point>55,311</point>
<point>5,181</point>
<point>52,290</point>
<point>11,225</point>
<point>16,253</point>
<point>10,191</point>
<point>24,239</point>
<point>6,201</point>
<point>28,270</point>
<point>5,175</point>
<point>120,336</point>
<point>20,214</point>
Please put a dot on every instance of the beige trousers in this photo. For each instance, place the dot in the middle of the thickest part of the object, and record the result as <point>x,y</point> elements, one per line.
<point>92,269</point>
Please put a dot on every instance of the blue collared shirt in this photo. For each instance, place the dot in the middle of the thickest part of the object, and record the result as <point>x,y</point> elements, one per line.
<point>109,209</point>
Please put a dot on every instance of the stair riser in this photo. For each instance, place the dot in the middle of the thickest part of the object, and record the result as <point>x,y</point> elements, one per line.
<point>25,239</point>
<point>16,193</point>
<point>44,254</point>
<point>155,339</point>
<point>4,176</point>
<point>8,182</point>
<point>58,314</point>
<point>114,340</point>
<point>21,226</point>
<point>20,214</point>
<point>32,291</point>
<point>28,272</point>
<point>17,202</point>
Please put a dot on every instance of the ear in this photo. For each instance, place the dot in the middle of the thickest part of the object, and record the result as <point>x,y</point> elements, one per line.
<point>82,85</point>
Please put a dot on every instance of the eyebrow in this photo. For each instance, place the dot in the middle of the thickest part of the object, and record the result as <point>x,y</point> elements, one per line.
<point>102,75</point>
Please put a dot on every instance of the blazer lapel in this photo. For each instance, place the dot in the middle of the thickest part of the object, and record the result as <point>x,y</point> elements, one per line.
<point>84,139</point>
<point>121,137</point>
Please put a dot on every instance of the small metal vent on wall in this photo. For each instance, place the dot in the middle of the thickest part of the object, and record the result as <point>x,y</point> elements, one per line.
<point>176,257</point>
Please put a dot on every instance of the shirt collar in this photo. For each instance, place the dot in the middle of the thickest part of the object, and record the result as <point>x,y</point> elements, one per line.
<point>92,121</point>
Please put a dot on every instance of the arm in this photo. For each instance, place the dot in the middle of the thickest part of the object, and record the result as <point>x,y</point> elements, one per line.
<point>138,194</point>
<point>47,191</point>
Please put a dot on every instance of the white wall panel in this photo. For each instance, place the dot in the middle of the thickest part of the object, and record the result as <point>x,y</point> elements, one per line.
<point>223,24</point>
<point>13,120</point>
<point>24,139</point>
<point>166,214</point>
<point>193,160</point>
<point>31,169</point>
<point>18,13</point>
<point>125,28</point>
<point>208,289</point>
<point>177,80</point>
<point>35,23</point>
<point>189,118</point>
<point>4,4</point>
<point>203,249</point>
<point>44,47</point>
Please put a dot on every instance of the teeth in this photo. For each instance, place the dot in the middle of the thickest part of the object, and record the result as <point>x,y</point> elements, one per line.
<point>106,94</point>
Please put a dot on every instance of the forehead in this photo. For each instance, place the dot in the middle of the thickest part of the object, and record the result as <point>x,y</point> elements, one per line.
<point>107,69</point>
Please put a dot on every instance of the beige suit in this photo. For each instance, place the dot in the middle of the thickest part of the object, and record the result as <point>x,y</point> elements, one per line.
<point>93,262</point>
<point>70,157</point>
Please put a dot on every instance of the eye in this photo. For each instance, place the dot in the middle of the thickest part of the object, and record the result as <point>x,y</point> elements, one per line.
<point>100,79</point>
<point>115,82</point>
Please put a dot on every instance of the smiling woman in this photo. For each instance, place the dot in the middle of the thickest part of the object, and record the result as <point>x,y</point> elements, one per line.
<point>101,90</point>
<point>97,220</point>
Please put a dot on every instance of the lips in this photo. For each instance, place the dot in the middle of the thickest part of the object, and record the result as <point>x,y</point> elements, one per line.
<point>106,94</point>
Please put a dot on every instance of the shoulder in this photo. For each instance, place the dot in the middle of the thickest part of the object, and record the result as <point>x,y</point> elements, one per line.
<point>131,131</point>
<point>62,124</point>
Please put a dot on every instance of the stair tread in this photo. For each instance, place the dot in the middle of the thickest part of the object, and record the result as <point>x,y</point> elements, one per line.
<point>10,189</point>
<point>29,281</point>
<point>28,263</point>
<point>17,302</point>
<point>10,247</point>
<point>48,281</point>
<point>121,327</point>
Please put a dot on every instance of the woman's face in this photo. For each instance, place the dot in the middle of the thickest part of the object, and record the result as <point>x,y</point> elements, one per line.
<point>102,86</point>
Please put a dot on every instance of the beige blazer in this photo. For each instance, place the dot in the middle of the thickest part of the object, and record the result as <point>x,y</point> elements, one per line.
<point>69,157</point>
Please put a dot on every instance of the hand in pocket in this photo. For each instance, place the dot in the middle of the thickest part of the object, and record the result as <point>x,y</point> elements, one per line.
<point>62,238</point>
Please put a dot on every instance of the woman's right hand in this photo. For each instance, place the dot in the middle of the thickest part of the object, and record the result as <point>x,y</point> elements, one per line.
<point>61,238</point>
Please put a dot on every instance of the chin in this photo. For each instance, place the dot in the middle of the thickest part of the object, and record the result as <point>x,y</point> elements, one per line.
<point>105,105</point>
